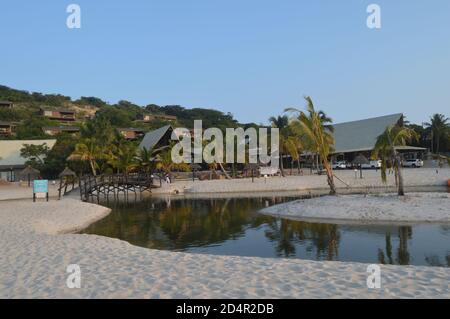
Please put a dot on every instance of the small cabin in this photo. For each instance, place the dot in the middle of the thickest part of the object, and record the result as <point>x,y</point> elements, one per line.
<point>6,105</point>
<point>7,128</point>
<point>131,133</point>
<point>61,115</point>
<point>154,117</point>
<point>55,130</point>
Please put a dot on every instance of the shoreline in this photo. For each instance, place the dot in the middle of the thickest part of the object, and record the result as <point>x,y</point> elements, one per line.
<point>413,178</point>
<point>373,209</point>
<point>38,254</point>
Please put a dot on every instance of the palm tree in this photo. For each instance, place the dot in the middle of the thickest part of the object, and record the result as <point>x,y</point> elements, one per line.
<point>385,149</point>
<point>439,127</point>
<point>294,147</point>
<point>282,123</point>
<point>316,128</point>
<point>166,164</point>
<point>145,160</point>
<point>88,150</point>
<point>123,158</point>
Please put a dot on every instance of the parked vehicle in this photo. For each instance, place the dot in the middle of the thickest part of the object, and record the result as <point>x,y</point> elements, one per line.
<point>372,164</point>
<point>339,165</point>
<point>412,163</point>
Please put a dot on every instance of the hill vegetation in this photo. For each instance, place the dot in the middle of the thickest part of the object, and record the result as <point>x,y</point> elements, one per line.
<point>121,114</point>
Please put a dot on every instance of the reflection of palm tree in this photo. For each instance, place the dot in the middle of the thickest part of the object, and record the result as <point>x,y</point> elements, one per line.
<point>381,257</point>
<point>404,233</point>
<point>284,237</point>
<point>324,237</point>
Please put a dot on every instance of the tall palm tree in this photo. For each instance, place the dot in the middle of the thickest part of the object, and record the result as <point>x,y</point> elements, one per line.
<point>385,149</point>
<point>294,147</point>
<point>282,123</point>
<point>166,164</point>
<point>88,150</point>
<point>145,160</point>
<point>316,127</point>
<point>439,127</point>
<point>123,158</point>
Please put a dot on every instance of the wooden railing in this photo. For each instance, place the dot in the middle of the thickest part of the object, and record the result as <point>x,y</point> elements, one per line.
<point>116,185</point>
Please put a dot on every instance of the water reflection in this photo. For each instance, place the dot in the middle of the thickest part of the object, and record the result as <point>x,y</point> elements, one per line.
<point>232,226</point>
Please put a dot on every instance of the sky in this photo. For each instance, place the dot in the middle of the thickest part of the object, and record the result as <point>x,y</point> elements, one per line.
<point>251,58</point>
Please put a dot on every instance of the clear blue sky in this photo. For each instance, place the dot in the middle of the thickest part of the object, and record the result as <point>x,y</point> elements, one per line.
<point>252,58</point>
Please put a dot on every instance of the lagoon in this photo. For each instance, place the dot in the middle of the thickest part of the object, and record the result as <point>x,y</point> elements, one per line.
<point>233,226</point>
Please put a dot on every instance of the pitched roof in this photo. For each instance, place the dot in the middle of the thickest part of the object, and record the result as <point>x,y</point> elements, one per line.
<point>10,151</point>
<point>151,139</point>
<point>361,135</point>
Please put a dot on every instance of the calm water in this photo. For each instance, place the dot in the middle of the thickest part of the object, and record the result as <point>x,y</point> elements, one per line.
<point>232,226</point>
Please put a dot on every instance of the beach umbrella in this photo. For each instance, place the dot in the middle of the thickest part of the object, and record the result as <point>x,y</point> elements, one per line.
<point>29,172</point>
<point>67,172</point>
<point>359,161</point>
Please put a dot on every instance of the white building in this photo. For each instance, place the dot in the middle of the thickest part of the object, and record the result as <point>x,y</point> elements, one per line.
<point>11,163</point>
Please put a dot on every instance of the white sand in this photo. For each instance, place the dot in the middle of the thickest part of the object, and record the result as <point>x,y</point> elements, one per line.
<point>16,191</point>
<point>414,207</point>
<point>413,178</point>
<point>33,263</point>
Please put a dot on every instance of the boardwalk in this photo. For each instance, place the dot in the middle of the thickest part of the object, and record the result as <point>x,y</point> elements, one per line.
<point>115,185</point>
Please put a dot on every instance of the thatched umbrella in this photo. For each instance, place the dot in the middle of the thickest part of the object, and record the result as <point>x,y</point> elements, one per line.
<point>29,172</point>
<point>359,161</point>
<point>66,177</point>
<point>67,172</point>
<point>194,167</point>
<point>251,167</point>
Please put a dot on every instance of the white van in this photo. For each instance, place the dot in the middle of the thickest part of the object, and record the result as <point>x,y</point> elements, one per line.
<point>412,163</point>
<point>372,164</point>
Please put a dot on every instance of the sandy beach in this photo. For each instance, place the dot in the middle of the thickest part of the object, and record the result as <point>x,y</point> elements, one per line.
<point>380,208</point>
<point>346,180</point>
<point>36,249</point>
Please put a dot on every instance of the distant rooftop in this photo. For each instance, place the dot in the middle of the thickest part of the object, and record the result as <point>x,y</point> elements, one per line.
<point>357,136</point>
<point>10,151</point>
<point>152,138</point>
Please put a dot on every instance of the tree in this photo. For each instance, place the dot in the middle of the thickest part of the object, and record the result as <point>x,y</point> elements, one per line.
<point>164,162</point>
<point>145,160</point>
<point>282,123</point>
<point>35,153</point>
<point>88,150</point>
<point>55,161</point>
<point>123,158</point>
<point>439,127</point>
<point>385,149</point>
<point>294,147</point>
<point>316,127</point>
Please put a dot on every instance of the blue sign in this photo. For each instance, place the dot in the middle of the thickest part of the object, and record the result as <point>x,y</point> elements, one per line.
<point>40,186</point>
